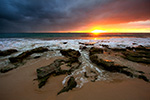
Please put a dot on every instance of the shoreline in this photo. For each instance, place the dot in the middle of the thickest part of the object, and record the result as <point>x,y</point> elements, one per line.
<point>106,84</point>
<point>18,84</point>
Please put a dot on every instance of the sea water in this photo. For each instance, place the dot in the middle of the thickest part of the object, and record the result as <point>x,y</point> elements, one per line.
<point>56,41</point>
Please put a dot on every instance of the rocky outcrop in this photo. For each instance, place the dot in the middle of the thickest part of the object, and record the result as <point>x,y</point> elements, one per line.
<point>70,53</point>
<point>94,50</point>
<point>7,52</point>
<point>70,85</point>
<point>26,54</point>
<point>6,69</point>
<point>82,47</point>
<point>140,47</point>
<point>112,67</point>
<point>43,73</point>
<point>139,56</point>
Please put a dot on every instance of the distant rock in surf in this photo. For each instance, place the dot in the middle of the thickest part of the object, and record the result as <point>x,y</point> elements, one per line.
<point>26,54</point>
<point>8,52</point>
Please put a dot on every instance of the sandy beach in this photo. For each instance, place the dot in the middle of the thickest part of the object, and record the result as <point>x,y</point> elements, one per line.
<point>19,84</point>
<point>101,70</point>
<point>74,49</point>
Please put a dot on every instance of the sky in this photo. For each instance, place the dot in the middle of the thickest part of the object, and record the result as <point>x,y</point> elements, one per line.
<point>74,15</point>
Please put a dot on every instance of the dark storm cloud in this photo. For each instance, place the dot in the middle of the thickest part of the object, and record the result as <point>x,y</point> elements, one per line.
<point>59,15</point>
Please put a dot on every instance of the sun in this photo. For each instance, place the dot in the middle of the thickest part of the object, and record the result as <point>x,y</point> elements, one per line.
<point>97,32</point>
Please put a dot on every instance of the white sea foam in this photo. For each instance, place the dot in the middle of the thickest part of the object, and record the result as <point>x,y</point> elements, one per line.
<point>26,44</point>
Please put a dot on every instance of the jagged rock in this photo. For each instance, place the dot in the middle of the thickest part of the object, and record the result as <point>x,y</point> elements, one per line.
<point>143,77</point>
<point>134,43</point>
<point>70,85</point>
<point>87,43</point>
<point>94,50</point>
<point>64,42</point>
<point>43,73</point>
<point>106,65</point>
<point>74,66</point>
<point>55,68</point>
<point>70,53</point>
<point>7,52</point>
<point>6,69</point>
<point>49,69</point>
<point>26,54</point>
<point>82,47</point>
<point>37,57</point>
<point>112,67</point>
<point>140,47</point>
<point>73,55</point>
<point>138,56</point>
<point>105,46</point>
<point>43,81</point>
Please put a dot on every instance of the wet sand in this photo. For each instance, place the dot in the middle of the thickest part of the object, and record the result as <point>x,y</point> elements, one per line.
<point>19,84</point>
<point>123,90</point>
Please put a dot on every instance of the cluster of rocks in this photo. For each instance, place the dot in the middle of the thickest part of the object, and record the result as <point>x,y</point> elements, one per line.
<point>26,54</point>
<point>43,73</point>
<point>111,66</point>
<point>19,59</point>
<point>138,54</point>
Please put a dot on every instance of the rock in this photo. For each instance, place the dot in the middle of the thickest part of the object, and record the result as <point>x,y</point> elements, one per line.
<point>37,57</point>
<point>43,73</point>
<point>70,53</point>
<point>105,46</point>
<point>74,66</point>
<point>87,43</point>
<point>82,47</point>
<point>58,66</point>
<point>134,43</point>
<point>140,47</point>
<point>6,69</point>
<point>26,54</point>
<point>85,75</point>
<point>49,69</point>
<point>73,55</point>
<point>7,52</point>
<point>106,65</point>
<point>94,50</point>
<point>112,67</point>
<point>139,57</point>
<point>43,81</point>
<point>70,85</point>
<point>143,77</point>
<point>65,67</point>
<point>64,42</point>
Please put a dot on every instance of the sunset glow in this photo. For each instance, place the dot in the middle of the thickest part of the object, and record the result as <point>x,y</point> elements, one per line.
<point>97,32</point>
<point>111,16</point>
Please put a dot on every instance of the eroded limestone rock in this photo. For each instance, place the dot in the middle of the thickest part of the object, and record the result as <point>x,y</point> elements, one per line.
<point>26,54</point>
<point>70,85</point>
<point>7,52</point>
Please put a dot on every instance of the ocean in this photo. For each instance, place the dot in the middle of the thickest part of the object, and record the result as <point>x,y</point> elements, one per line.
<point>27,41</point>
<point>70,35</point>
<point>57,41</point>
